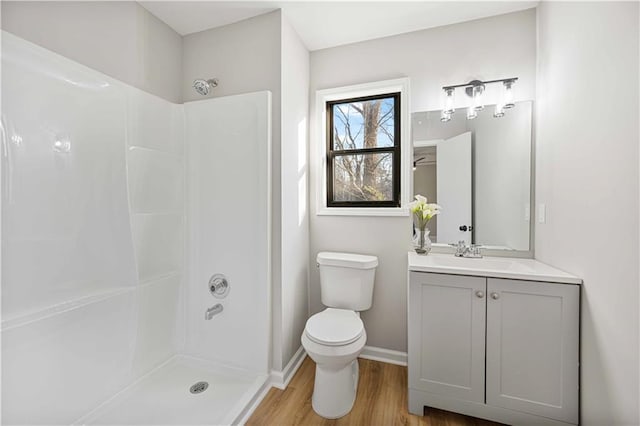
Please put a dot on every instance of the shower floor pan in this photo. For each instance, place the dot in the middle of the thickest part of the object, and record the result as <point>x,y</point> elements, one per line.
<point>163,397</point>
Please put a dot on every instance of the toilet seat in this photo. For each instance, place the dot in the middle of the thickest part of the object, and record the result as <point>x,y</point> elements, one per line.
<point>334,327</point>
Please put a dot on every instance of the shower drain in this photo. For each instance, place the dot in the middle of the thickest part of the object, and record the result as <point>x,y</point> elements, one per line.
<point>199,387</point>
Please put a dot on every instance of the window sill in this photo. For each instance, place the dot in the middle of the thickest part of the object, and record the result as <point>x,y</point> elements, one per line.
<point>363,211</point>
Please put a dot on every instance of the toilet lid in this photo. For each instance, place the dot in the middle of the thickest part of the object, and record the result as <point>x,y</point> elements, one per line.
<point>334,327</point>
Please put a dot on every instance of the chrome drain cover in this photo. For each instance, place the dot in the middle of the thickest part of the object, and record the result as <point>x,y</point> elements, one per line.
<point>199,387</point>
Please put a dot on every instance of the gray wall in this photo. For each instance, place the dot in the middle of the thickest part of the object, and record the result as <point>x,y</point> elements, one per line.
<point>244,56</point>
<point>501,46</point>
<point>587,174</point>
<point>120,39</point>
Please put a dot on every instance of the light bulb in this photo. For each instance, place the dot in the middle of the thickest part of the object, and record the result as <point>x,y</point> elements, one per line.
<point>445,116</point>
<point>507,97</point>
<point>499,112</point>
<point>62,144</point>
<point>478,91</point>
<point>16,139</point>
<point>471,113</point>
<point>449,107</point>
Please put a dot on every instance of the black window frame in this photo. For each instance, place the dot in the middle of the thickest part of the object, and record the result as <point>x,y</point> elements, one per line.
<point>395,150</point>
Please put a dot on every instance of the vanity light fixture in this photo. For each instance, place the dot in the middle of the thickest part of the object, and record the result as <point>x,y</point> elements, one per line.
<point>508,93</point>
<point>449,101</point>
<point>476,94</point>
<point>472,113</point>
<point>475,90</point>
<point>445,116</point>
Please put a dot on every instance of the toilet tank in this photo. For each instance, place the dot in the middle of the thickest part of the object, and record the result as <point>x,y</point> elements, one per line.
<point>346,280</point>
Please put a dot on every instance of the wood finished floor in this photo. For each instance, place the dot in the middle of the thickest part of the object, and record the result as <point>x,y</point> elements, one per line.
<point>381,400</point>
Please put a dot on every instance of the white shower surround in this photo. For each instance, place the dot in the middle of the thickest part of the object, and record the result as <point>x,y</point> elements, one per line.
<point>94,296</point>
<point>228,208</point>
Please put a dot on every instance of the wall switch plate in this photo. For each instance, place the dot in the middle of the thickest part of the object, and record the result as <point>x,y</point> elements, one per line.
<point>542,213</point>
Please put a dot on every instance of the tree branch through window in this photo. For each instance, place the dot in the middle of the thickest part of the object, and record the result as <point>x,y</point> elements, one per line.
<point>364,152</point>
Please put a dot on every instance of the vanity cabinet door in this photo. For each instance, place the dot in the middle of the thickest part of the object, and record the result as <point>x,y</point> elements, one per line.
<point>532,347</point>
<point>447,335</point>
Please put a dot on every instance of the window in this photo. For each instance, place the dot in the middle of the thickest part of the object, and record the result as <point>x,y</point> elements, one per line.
<point>363,151</point>
<point>390,146</point>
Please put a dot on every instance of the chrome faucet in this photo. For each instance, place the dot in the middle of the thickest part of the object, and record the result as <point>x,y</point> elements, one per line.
<point>214,310</point>
<point>470,251</point>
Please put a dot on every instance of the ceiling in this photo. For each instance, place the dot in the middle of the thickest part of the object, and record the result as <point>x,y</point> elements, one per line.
<point>323,24</point>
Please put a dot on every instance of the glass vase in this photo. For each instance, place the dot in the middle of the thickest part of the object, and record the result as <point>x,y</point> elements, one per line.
<point>422,243</point>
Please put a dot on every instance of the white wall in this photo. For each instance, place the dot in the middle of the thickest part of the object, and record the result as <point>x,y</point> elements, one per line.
<point>155,180</point>
<point>587,174</point>
<point>123,40</point>
<point>46,219</point>
<point>120,39</point>
<point>294,305</point>
<point>99,310</point>
<point>501,46</point>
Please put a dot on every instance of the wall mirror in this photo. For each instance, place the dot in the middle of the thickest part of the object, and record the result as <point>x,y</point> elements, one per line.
<point>479,171</point>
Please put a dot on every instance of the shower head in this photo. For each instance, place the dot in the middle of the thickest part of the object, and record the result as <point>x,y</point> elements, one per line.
<point>204,86</point>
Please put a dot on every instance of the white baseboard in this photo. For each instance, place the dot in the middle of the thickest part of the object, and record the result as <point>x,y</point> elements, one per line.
<point>257,399</point>
<point>280,379</point>
<point>277,379</point>
<point>384,355</point>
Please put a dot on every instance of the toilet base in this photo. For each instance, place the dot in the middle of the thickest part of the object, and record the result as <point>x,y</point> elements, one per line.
<point>334,391</point>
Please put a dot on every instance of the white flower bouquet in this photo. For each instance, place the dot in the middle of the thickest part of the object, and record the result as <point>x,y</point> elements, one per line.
<point>422,211</point>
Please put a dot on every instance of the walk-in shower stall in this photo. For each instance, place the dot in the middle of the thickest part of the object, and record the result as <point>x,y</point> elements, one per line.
<point>135,249</point>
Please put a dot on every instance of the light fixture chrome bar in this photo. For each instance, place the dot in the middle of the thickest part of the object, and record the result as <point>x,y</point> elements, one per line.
<point>476,82</point>
<point>475,90</point>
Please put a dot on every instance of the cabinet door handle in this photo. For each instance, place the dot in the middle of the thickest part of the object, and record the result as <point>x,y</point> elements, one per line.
<point>495,296</point>
<point>479,294</point>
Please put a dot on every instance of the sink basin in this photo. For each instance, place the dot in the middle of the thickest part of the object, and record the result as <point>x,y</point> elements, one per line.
<point>498,267</point>
<point>482,263</point>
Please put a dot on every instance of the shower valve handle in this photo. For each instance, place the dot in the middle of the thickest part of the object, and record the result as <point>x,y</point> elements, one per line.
<point>219,286</point>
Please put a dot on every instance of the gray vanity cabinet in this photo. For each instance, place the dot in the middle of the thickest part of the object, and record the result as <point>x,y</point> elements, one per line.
<point>501,349</point>
<point>449,324</point>
<point>532,347</point>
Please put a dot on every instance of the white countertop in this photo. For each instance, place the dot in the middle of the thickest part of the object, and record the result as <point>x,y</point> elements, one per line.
<point>497,267</point>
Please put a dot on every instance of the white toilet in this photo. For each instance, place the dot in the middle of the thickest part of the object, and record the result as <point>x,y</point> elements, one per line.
<point>335,337</point>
